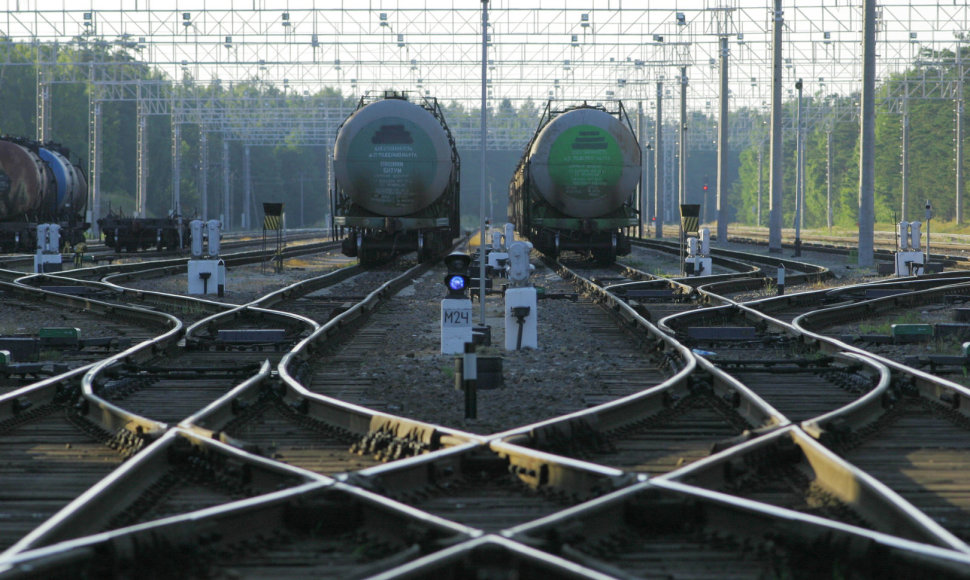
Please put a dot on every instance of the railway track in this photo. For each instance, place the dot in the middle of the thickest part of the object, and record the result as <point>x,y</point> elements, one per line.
<point>48,334</point>
<point>51,447</point>
<point>669,459</point>
<point>99,254</point>
<point>924,421</point>
<point>140,390</point>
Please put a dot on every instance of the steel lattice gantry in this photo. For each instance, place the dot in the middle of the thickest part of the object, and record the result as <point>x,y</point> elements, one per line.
<point>536,50</point>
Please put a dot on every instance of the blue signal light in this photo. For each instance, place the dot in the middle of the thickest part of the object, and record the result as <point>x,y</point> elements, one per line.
<point>457,282</point>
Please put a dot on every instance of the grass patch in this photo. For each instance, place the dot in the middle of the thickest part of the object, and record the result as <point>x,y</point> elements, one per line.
<point>886,327</point>
<point>770,287</point>
<point>50,355</point>
<point>297,263</point>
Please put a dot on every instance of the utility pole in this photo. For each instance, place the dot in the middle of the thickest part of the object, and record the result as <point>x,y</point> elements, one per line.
<point>682,179</point>
<point>204,173</point>
<point>722,147</point>
<point>176,166</point>
<point>247,188</point>
<point>828,178</point>
<point>799,193</point>
<point>904,210</point>
<point>226,205</point>
<point>44,77</point>
<point>141,154</point>
<point>867,137</point>
<point>761,174</point>
<point>959,131</point>
<point>775,183</point>
<point>683,135</point>
<point>484,234</point>
<point>95,127</point>
<point>641,199</point>
<point>658,171</point>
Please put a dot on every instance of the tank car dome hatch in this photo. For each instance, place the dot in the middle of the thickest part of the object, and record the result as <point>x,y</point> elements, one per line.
<point>393,158</point>
<point>585,163</point>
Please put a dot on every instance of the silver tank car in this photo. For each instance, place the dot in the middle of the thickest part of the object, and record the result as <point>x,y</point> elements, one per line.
<point>393,158</point>
<point>585,163</point>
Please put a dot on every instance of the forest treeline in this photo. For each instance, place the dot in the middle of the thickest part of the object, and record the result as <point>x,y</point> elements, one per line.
<point>931,151</point>
<point>282,172</point>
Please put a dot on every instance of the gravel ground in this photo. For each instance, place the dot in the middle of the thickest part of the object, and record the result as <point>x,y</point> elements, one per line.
<point>247,283</point>
<point>882,325</point>
<point>845,272</point>
<point>418,382</point>
<point>18,317</point>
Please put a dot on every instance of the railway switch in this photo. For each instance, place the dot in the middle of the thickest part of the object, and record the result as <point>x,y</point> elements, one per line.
<point>207,273</point>
<point>698,263</point>
<point>48,255</point>
<point>213,236</point>
<point>456,308</point>
<point>909,260</point>
<point>195,227</point>
<point>521,314</point>
<point>498,255</point>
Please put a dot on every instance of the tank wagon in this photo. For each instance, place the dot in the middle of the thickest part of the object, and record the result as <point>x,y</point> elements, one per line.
<point>396,180</point>
<point>575,186</point>
<point>39,184</point>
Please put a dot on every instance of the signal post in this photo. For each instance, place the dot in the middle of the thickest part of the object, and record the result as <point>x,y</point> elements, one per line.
<point>456,307</point>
